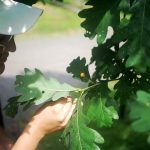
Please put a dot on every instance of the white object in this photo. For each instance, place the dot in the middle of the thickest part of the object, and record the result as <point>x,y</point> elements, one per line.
<point>16,18</point>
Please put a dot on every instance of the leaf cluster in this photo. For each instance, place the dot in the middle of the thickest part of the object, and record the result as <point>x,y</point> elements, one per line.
<point>34,88</point>
<point>122,58</point>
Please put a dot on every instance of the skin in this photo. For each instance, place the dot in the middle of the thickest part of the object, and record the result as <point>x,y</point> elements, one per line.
<point>48,119</point>
<point>5,142</point>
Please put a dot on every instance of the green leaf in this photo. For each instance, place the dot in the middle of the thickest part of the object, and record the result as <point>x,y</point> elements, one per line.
<point>148,139</point>
<point>140,111</point>
<point>79,69</point>
<point>78,136</point>
<point>11,109</point>
<point>96,106</point>
<point>33,85</point>
<point>101,15</point>
<point>138,44</point>
<point>123,90</point>
<point>106,62</point>
<point>27,104</point>
<point>136,35</point>
<point>99,114</point>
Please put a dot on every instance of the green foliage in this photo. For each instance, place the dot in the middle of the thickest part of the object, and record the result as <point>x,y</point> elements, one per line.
<point>34,86</point>
<point>106,15</point>
<point>99,114</point>
<point>97,106</point>
<point>124,57</point>
<point>148,139</point>
<point>79,69</point>
<point>140,111</point>
<point>102,14</point>
<point>107,64</point>
<point>77,135</point>
<point>135,33</point>
<point>12,108</point>
<point>121,137</point>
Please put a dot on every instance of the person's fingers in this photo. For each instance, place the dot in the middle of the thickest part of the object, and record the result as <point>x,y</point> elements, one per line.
<point>51,103</point>
<point>61,100</point>
<point>54,106</point>
<point>66,109</point>
<point>59,104</point>
<point>58,107</point>
<point>69,115</point>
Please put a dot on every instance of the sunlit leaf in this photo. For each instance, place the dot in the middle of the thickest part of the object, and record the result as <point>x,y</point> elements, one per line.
<point>33,85</point>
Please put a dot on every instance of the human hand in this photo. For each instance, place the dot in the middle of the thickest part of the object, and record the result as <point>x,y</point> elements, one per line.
<point>53,116</point>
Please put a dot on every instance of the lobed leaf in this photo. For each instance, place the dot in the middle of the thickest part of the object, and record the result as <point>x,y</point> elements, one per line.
<point>11,109</point>
<point>99,114</point>
<point>108,65</point>
<point>123,90</point>
<point>100,15</point>
<point>79,69</point>
<point>135,32</point>
<point>98,108</point>
<point>33,85</point>
<point>78,136</point>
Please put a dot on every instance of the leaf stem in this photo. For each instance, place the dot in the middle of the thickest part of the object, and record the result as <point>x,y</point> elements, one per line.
<point>77,89</point>
<point>77,118</point>
<point>92,86</point>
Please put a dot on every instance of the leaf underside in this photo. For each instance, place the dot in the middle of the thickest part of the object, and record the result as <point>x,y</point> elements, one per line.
<point>33,85</point>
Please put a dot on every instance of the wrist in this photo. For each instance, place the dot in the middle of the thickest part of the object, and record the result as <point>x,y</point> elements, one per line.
<point>30,137</point>
<point>34,129</point>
